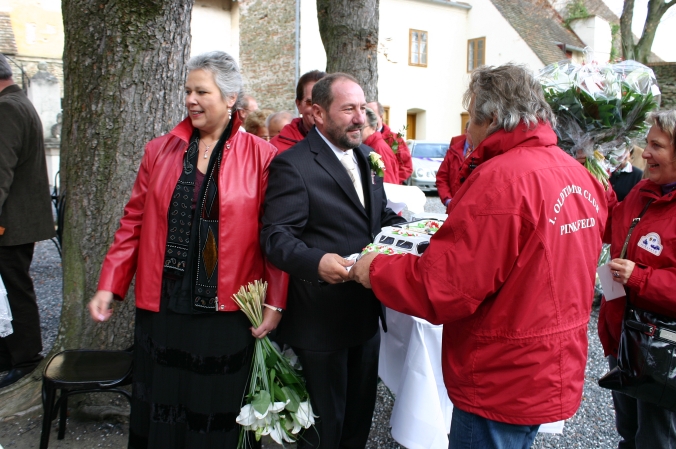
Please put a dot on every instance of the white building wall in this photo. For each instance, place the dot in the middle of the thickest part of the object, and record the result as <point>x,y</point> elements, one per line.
<point>430,91</point>
<point>595,33</point>
<point>212,27</point>
<point>433,92</point>
<point>312,54</point>
<point>503,43</point>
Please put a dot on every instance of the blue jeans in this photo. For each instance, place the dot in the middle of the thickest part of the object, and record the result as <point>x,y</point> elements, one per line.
<point>470,431</point>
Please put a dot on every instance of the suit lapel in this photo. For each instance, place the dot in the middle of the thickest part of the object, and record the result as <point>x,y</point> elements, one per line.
<point>326,158</point>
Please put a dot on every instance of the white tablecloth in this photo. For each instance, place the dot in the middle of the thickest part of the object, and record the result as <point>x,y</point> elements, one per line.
<point>410,366</point>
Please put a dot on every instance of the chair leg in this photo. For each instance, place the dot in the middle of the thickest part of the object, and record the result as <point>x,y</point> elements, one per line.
<point>48,395</point>
<point>63,412</point>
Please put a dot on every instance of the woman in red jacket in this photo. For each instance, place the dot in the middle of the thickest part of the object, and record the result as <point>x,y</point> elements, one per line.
<point>374,139</point>
<point>648,272</point>
<point>190,234</point>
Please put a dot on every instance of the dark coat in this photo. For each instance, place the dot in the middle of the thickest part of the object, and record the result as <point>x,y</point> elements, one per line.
<point>25,205</point>
<point>311,208</point>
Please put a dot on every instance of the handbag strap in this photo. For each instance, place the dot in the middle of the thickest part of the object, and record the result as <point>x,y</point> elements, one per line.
<point>634,222</point>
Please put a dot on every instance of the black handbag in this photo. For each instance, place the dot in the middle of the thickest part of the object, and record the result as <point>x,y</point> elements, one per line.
<point>646,357</point>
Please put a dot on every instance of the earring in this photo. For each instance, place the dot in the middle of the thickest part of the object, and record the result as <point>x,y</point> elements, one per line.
<point>229,113</point>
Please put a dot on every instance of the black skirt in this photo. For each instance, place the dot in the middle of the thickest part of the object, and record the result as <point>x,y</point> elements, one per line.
<point>190,376</point>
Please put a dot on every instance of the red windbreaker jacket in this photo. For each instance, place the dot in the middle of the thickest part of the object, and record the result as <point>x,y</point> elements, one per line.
<point>511,275</point>
<point>449,168</point>
<point>652,248</point>
<point>140,241</point>
<point>403,153</point>
<point>290,135</point>
<point>376,142</point>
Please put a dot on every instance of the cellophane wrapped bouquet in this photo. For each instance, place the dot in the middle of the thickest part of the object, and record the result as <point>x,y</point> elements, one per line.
<point>277,402</point>
<point>600,109</point>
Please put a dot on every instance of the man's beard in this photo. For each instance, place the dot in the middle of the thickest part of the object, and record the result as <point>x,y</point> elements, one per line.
<point>340,137</point>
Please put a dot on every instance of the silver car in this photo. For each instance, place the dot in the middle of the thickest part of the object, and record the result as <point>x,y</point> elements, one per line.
<point>427,157</point>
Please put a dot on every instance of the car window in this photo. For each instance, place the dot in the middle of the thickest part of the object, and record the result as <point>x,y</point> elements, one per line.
<point>432,150</point>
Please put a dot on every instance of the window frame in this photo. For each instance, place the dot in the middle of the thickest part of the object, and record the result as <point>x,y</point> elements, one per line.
<point>472,60</point>
<point>419,54</point>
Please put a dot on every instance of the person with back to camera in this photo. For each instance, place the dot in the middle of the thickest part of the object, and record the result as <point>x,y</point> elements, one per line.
<point>190,234</point>
<point>648,272</point>
<point>511,272</point>
<point>25,218</point>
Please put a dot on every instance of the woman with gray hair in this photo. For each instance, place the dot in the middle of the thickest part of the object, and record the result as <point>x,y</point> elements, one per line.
<point>190,234</point>
<point>648,273</point>
<point>510,274</point>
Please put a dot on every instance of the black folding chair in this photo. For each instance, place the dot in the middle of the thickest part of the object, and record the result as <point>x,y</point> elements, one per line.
<point>78,371</point>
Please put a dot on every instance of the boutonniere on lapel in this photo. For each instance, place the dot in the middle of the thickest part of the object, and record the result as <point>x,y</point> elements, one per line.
<point>377,166</point>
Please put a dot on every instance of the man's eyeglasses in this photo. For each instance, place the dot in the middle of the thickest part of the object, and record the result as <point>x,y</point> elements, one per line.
<point>308,102</point>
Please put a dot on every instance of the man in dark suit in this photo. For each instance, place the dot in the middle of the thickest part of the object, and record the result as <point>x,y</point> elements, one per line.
<point>316,212</point>
<point>25,218</point>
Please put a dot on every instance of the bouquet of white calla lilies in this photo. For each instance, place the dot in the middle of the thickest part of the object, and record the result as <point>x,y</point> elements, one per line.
<point>277,403</point>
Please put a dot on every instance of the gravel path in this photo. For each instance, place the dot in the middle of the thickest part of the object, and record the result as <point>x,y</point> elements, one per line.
<point>591,427</point>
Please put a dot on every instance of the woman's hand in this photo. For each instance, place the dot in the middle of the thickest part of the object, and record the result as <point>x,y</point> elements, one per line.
<point>99,306</point>
<point>621,270</point>
<point>271,319</point>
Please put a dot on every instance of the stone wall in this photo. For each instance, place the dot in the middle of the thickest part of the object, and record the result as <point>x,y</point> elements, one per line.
<point>267,51</point>
<point>665,72</point>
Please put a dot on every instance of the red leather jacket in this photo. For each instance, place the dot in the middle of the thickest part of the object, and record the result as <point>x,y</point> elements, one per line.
<point>140,241</point>
<point>449,168</point>
<point>290,135</point>
<point>376,142</point>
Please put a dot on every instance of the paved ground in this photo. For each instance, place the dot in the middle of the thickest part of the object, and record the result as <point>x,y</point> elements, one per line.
<point>591,427</point>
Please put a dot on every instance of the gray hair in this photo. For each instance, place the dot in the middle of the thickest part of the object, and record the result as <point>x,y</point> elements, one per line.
<point>371,118</point>
<point>281,115</point>
<point>225,71</point>
<point>508,94</point>
<point>5,69</point>
<point>666,121</point>
<point>381,110</point>
<point>321,91</point>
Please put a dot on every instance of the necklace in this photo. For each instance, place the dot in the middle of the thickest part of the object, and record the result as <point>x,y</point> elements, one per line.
<point>206,152</point>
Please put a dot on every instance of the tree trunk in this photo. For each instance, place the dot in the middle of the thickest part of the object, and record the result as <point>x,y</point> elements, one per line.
<point>656,9</point>
<point>349,31</point>
<point>625,29</point>
<point>124,69</point>
<point>640,51</point>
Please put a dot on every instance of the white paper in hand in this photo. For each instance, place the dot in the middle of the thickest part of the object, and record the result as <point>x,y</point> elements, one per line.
<point>611,289</point>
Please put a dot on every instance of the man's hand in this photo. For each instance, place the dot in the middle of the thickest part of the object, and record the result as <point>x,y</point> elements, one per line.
<point>332,268</point>
<point>99,306</point>
<point>360,271</point>
<point>271,319</point>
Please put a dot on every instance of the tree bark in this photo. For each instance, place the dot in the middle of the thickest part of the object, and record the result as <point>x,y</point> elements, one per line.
<point>124,69</point>
<point>656,9</point>
<point>626,34</point>
<point>349,31</point>
<point>640,51</point>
